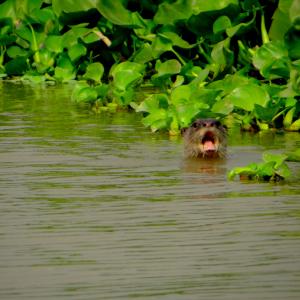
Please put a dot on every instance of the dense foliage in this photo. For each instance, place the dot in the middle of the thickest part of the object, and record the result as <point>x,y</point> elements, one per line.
<point>208,58</point>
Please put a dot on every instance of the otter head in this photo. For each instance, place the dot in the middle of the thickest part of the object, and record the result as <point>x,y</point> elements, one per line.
<point>205,138</point>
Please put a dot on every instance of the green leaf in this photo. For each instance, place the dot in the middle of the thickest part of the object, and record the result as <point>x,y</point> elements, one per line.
<point>143,54</point>
<point>281,20</point>
<point>165,41</point>
<point>288,119</point>
<point>16,51</point>
<point>64,71</point>
<point>76,51</point>
<point>94,72</point>
<point>84,94</point>
<point>126,74</point>
<point>54,43</point>
<point>278,159</point>
<point>180,93</point>
<point>267,113</point>
<point>16,66</point>
<point>63,74</point>
<point>165,70</point>
<point>175,39</point>
<point>247,96</point>
<point>221,24</point>
<point>153,103</point>
<point>168,67</point>
<point>114,11</point>
<point>59,7</point>
<point>169,13</point>
<point>223,106</point>
<point>294,156</point>
<point>46,60</point>
<point>240,28</point>
<point>222,55</point>
<point>102,90</point>
<point>295,126</point>
<point>272,60</point>
<point>158,119</point>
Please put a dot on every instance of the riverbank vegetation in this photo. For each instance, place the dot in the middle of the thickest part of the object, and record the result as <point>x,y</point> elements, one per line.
<point>233,60</point>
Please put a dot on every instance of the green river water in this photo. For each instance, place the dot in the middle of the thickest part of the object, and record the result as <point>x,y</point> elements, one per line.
<point>98,207</point>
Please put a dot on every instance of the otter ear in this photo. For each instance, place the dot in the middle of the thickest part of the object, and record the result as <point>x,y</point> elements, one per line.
<point>225,127</point>
<point>183,130</point>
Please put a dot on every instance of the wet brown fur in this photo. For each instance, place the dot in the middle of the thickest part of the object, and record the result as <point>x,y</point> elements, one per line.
<point>201,130</point>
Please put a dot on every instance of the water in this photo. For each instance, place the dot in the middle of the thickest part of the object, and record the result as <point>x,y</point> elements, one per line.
<point>98,207</point>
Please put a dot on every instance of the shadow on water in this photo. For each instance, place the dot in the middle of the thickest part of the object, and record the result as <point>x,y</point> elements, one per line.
<point>98,207</point>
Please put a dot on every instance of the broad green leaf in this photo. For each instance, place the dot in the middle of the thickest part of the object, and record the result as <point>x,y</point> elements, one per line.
<point>168,67</point>
<point>180,93</point>
<point>165,41</point>
<point>240,28</point>
<point>46,60</point>
<point>127,66</point>
<point>284,171</point>
<point>294,156</point>
<point>175,39</point>
<point>122,80</point>
<point>223,106</point>
<point>153,103</point>
<point>247,96</point>
<point>72,6</point>
<point>91,37</point>
<point>278,159</point>
<point>294,10</point>
<point>169,13</point>
<point>18,9</point>
<point>157,119</point>
<point>16,66</point>
<point>288,119</point>
<point>206,6</point>
<point>265,170</point>
<point>222,55</point>
<point>282,20</point>
<point>295,126</point>
<point>143,28</point>
<point>85,94</point>
<point>266,113</point>
<point>35,39</point>
<point>143,54</point>
<point>229,83</point>
<point>102,90</point>
<point>54,43</point>
<point>63,74</point>
<point>6,40</point>
<point>64,61</point>
<point>114,11</point>
<point>15,51</point>
<point>272,60</point>
<point>70,38</point>
<point>94,72</point>
<point>76,51</point>
<point>221,24</point>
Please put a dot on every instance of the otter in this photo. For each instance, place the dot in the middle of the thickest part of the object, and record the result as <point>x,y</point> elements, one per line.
<point>205,138</point>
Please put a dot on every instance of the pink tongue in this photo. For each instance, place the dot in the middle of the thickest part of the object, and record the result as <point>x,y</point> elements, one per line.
<point>209,146</point>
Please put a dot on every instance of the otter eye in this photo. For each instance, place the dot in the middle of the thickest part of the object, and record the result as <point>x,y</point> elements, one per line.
<point>217,124</point>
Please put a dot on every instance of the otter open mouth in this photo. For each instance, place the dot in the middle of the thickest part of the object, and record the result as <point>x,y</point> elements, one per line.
<point>209,142</point>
